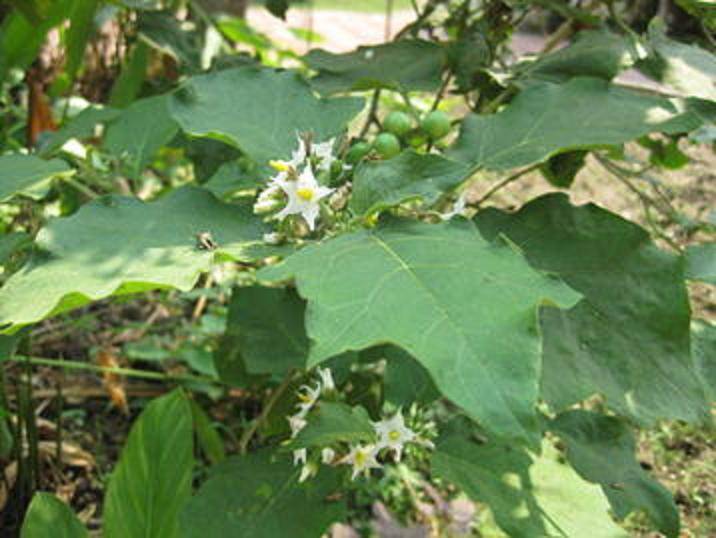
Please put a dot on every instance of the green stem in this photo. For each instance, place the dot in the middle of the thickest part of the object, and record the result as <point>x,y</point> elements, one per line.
<point>129,372</point>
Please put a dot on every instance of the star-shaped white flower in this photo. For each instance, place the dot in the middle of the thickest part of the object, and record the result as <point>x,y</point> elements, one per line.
<point>299,456</point>
<point>326,379</point>
<point>393,434</point>
<point>324,152</point>
<point>307,396</point>
<point>298,157</point>
<point>304,195</point>
<point>362,458</point>
<point>269,199</point>
<point>296,423</point>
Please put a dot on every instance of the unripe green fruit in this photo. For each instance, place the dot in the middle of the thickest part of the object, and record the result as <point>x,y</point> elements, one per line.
<point>436,124</point>
<point>387,145</point>
<point>357,152</point>
<point>397,123</point>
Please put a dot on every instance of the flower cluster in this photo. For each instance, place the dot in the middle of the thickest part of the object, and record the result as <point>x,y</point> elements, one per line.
<point>391,436</point>
<point>294,189</point>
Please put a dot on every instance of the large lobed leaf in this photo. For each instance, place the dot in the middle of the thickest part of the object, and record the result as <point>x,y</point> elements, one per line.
<point>628,339</point>
<point>152,481</point>
<point>259,110</point>
<point>405,65</point>
<point>28,175</point>
<point>257,497</point>
<point>465,309</point>
<point>118,245</point>
<point>529,497</point>
<point>546,119</point>
<point>335,422</point>
<point>602,451</point>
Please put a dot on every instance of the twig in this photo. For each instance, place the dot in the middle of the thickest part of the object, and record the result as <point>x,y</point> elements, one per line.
<point>201,301</point>
<point>251,430</point>
<point>372,117</point>
<point>441,91</point>
<point>84,189</point>
<point>504,183</point>
<point>129,372</point>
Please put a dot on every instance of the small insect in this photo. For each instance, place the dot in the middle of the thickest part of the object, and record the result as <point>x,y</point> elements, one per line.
<point>204,241</point>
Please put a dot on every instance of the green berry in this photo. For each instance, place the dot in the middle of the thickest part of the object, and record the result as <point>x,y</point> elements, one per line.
<point>357,152</point>
<point>436,124</point>
<point>386,145</point>
<point>398,123</point>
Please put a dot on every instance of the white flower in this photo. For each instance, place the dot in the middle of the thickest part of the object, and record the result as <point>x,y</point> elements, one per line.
<point>298,157</point>
<point>393,434</point>
<point>307,398</point>
<point>307,471</point>
<point>324,152</point>
<point>269,199</point>
<point>299,456</point>
<point>362,458</point>
<point>326,379</point>
<point>458,207</point>
<point>304,195</point>
<point>297,423</point>
<point>327,456</point>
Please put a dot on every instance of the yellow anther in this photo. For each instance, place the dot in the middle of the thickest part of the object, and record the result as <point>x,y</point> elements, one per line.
<point>279,166</point>
<point>305,193</point>
<point>394,435</point>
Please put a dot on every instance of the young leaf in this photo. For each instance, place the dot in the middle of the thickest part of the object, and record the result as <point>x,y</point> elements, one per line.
<point>546,119</point>
<point>49,517</point>
<point>334,422</point>
<point>143,128</point>
<point>118,245</point>
<point>256,497</point>
<point>439,292</point>
<point>259,110</point>
<point>405,65</point>
<point>629,338</point>
<point>601,449</point>
<point>381,184</point>
<point>152,480</point>
<point>28,175</point>
<point>528,497</point>
<point>269,327</point>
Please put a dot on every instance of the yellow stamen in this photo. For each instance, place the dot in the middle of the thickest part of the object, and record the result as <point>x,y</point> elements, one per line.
<point>305,193</point>
<point>360,459</point>
<point>279,166</point>
<point>394,435</point>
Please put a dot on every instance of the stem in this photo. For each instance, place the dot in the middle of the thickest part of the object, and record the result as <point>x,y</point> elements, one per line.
<point>372,117</point>
<point>441,91</point>
<point>251,430</point>
<point>84,189</point>
<point>504,183</point>
<point>129,372</point>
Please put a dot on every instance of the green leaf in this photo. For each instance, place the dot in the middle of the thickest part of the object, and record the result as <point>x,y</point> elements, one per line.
<point>129,82</point>
<point>143,128</point>
<point>257,497</point>
<point>207,436</point>
<point>81,27</point>
<point>268,324</point>
<point>378,185</point>
<point>438,291</point>
<point>629,338</point>
<point>406,380</point>
<point>703,345</point>
<point>601,449</point>
<point>81,126</point>
<point>404,65</point>
<point>259,110</point>
<point>528,497</point>
<point>333,423</point>
<point>49,517</point>
<point>10,243</point>
<point>232,177</point>
<point>596,54</point>
<point>688,69</point>
<point>701,262</point>
<point>28,175</point>
<point>119,245</point>
<point>546,119</point>
<point>162,30</point>
<point>152,481</point>
<point>561,169</point>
